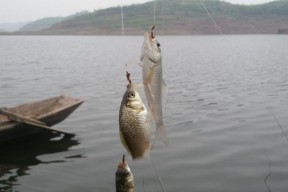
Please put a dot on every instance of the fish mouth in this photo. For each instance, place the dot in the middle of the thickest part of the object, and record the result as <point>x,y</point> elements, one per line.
<point>123,165</point>
<point>149,37</point>
<point>151,47</point>
<point>148,40</point>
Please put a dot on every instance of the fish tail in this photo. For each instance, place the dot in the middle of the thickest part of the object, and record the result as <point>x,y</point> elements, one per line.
<point>162,134</point>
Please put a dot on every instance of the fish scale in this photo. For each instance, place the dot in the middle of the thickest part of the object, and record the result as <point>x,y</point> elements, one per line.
<point>135,129</point>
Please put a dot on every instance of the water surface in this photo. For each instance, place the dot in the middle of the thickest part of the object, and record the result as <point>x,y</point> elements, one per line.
<point>226,113</point>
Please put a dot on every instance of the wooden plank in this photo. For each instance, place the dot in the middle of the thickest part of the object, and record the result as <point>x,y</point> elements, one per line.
<point>17,116</point>
<point>32,122</point>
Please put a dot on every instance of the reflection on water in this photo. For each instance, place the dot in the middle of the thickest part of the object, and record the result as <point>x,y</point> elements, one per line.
<point>16,159</point>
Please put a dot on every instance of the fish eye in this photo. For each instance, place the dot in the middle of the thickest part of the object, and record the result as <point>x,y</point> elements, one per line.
<point>158,44</point>
<point>126,173</point>
<point>131,94</point>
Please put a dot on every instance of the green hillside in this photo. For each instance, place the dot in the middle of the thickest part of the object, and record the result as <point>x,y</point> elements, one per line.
<point>181,17</point>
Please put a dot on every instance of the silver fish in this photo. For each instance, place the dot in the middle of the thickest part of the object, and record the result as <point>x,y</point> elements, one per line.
<point>135,129</point>
<point>154,86</point>
<point>124,178</point>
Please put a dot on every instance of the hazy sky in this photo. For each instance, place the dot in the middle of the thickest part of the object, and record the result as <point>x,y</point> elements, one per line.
<point>12,11</point>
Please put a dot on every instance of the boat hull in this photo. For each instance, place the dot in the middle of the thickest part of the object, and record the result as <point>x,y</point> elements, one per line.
<point>50,111</point>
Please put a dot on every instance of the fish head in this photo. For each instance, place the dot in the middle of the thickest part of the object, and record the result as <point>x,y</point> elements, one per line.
<point>132,98</point>
<point>123,171</point>
<point>150,47</point>
<point>124,176</point>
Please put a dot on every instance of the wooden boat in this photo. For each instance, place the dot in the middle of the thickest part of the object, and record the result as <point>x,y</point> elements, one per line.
<point>24,120</point>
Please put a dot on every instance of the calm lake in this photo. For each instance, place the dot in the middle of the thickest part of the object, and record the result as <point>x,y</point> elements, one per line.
<point>226,113</point>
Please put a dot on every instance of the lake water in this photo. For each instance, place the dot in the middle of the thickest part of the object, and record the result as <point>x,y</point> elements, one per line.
<point>226,113</point>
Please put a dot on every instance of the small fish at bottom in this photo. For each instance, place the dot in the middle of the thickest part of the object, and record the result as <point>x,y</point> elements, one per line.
<point>124,178</point>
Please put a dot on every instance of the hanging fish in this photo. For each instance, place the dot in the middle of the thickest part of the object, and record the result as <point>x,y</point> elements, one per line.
<point>135,129</point>
<point>124,178</point>
<point>154,86</point>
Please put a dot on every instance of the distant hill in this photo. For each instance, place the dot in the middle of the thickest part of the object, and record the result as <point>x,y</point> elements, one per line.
<point>45,23</point>
<point>9,27</point>
<point>180,17</point>
<point>41,24</point>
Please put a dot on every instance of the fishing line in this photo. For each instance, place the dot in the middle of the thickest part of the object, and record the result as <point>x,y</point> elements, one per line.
<point>155,11</point>
<point>153,165</point>
<point>276,120</point>
<point>123,34</point>
<point>158,175</point>
<point>269,172</point>
<point>267,108</point>
<point>204,6</point>
<point>162,15</point>
<point>143,185</point>
<point>122,19</point>
<point>278,123</point>
<point>270,111</point>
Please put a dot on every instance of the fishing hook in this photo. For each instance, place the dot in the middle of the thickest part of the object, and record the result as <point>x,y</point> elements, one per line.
<point>129,80</point>
<point>152,31</point>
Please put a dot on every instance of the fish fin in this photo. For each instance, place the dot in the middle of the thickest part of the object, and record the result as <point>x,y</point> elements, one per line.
<point>150,75</point>
<point>150,98</point>
<point>154,64</point>
<point>123,141</point>
<point>139,85</point>
<point>149,115</point>
<point>154,58</point>
<point>162,134</point>
<point>164,95</point>
<point>146,154</point>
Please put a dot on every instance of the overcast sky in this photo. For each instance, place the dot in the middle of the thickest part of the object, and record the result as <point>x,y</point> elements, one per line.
<point>12,11</point>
